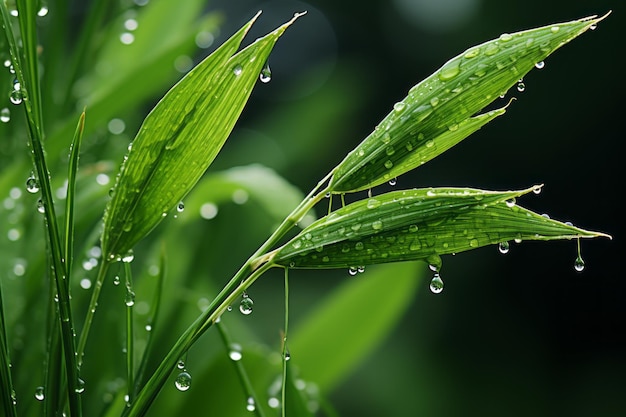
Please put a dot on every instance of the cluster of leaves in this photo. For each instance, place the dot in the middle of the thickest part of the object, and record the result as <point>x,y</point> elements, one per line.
<point>167,162</point>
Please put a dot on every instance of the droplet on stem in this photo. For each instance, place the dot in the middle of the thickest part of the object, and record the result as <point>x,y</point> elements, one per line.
<point>245,306</point>
<point>436,284</point>
<point>183,381</point>
<point>266,74</point>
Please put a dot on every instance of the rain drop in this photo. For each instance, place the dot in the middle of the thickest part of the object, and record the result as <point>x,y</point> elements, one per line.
<point>32,185</point>
<point>234,352</point>
<point>116,280</point>
<point>39,394</point>
<point>353,270</point>
<point>237,69</point>
<point>5,115</point>
<point>399,107</point>
<point>579,264</point>
<point>250,404</point>
<point>183,381</point>
<point>540,65</point>
<point>521,87</point>
<point>180,207</point>
<point>436,284</point>
<point>245,306</point>
<point>129,300</point>
<point>128,258</point>
<point>80,386</point>
<point>393,181</point>
<point>593,26</point>
<point>266,74</point>
<point>41,208</point>
<point>360,269</point>
<point>180,364</point>
<point>510,202</point>
<point>43,11</point>
<point>503,247</point>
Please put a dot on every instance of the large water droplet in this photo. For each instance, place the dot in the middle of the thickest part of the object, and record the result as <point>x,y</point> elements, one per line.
<point>353,270</point>
<point>266,74</point>
<point>235,352</point>
<point>180,207</point>
<point>579,264</point>
<point>399,107</point>
<point>503,247</point>
<point>449,71</point>
<point>540,65</point>
<point>41,208</point>
<point>183,381</point>
<point>237,69</point>
<point>436,284</point>
<point>129,300</point>
<point>39,394</point>
<point>521,87</point>
<point>372,203</point>
<point>245,306</point>
<point>32,185</point>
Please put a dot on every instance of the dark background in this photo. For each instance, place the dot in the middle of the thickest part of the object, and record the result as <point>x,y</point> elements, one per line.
<point>516,334</point>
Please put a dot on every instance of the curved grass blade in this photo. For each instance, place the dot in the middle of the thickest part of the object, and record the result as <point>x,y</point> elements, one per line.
<point>180,138</point>
<point>418,224</point>
<point>6,382</point>
<point>71,192</point>
<point>437,112</point>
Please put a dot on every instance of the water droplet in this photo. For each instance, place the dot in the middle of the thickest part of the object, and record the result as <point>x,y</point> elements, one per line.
<point>39,394</point>
<point>360,269</point>
<point>540,65</point>
<point>5,115</point>
<point>245,306</point>
<point>131,24</point>
<point>32,185</point>
<point>413,228</point>
<point>377,225</point>
<point>43,10</point>
<point>148,327</point>
<point>237,69</point>
<point>116,280</point>
<point>266,74</point>
<point>434,101</point>
<point>250,404</point>
<point>359,246</point>
<point>579,264</point>
<point>491,49</point>
<point>129,300</point>
<point>399,107</point>
<point>521,86</point>
<point>235,352</point>
<point>510,202</point>
<point>372,203</point>
<point>353,270</point>
<point>183,381</point>
<point>127,38</point>
<point>85,283</point>
<point>128,258</point>
<point>273,402</point>
<point>472,53</point>
<point>80,386</point>
<point>180,207</point>
<point>41,208</point>
<point>180,364</point>
<point>388,164</point>
<point>393,181</point>
<point>505,37</point>
<point>554,29</point>
<point>436,284</point>
<point>503,247</point>
<point>593,26</point>
<point>449,71</point>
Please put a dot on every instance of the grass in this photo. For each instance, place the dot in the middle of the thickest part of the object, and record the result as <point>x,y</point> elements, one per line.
<point>110,349</point>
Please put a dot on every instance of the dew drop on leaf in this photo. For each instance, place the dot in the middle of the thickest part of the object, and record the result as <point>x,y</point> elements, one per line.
<point>436,284</point>
<point>579,264</point>
<point>5,115</point>
<point>39,393</point>
<point>353,270</point>
<point>540,65</point>
<point>183,381</point>
<point>237,69</point>
<point>250,404</point>
<point>266,74</point>
<point>503,247</point>
<point>32,185</point>
<point>521,87</point>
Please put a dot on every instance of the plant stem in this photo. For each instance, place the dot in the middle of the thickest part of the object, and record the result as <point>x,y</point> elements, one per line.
<point>91,311</point>
<point>285,349</point>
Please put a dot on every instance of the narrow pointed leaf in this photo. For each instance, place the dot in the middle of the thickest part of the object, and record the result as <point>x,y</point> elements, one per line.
<point>435,114</point>
<point>180,138</point>
<point>417,225</point>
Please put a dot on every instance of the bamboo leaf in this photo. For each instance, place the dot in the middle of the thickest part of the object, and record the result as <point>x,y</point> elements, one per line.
<point>419,225</point>
<point>181,137</point>
<point>437,112</point>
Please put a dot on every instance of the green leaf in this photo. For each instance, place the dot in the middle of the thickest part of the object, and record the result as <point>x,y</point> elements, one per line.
<point>437,112</point>
<point>180,138</point>
<point>346,326</point>
<point>419,224</point>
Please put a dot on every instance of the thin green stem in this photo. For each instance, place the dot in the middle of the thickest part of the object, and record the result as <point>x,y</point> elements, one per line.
<point>91,311</point>
<point>285,349</point>
<point>130,352</point>
<point>241,373</point>
<point>71,192</point>
<point>6,381</point>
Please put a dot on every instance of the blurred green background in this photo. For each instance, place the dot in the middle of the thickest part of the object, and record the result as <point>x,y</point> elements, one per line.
<point>517,334</point>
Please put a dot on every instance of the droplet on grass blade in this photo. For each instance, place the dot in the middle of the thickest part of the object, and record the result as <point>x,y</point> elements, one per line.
<point>183,381</point>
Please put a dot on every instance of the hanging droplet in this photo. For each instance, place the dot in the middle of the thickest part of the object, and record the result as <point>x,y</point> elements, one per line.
<point>180,207</point>
<point>436,284</point>
<point>235,352</point>
<point>266,74</point>
<point>128,258</point>
<point>250,404</point>
<point>39,393</point>
<point>393,181</point>
<point>43,10</point>
<point>521,87</point>
<point>579,264</point>
<point>116,280</point>
<point>360,269</point>
<point>540,65</point>
<point>503,247</point>
<point>183,381</point>
<point>180,364</point>
<point>353,270</point>
<point>5,115</point>
<point>32,185</point>
<point>245,306</point>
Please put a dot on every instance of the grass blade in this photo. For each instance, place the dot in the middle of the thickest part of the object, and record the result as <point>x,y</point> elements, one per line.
<point>419,127</point>
<point>180,138</point>
<point>6,382</point>
<point>418,224</point>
